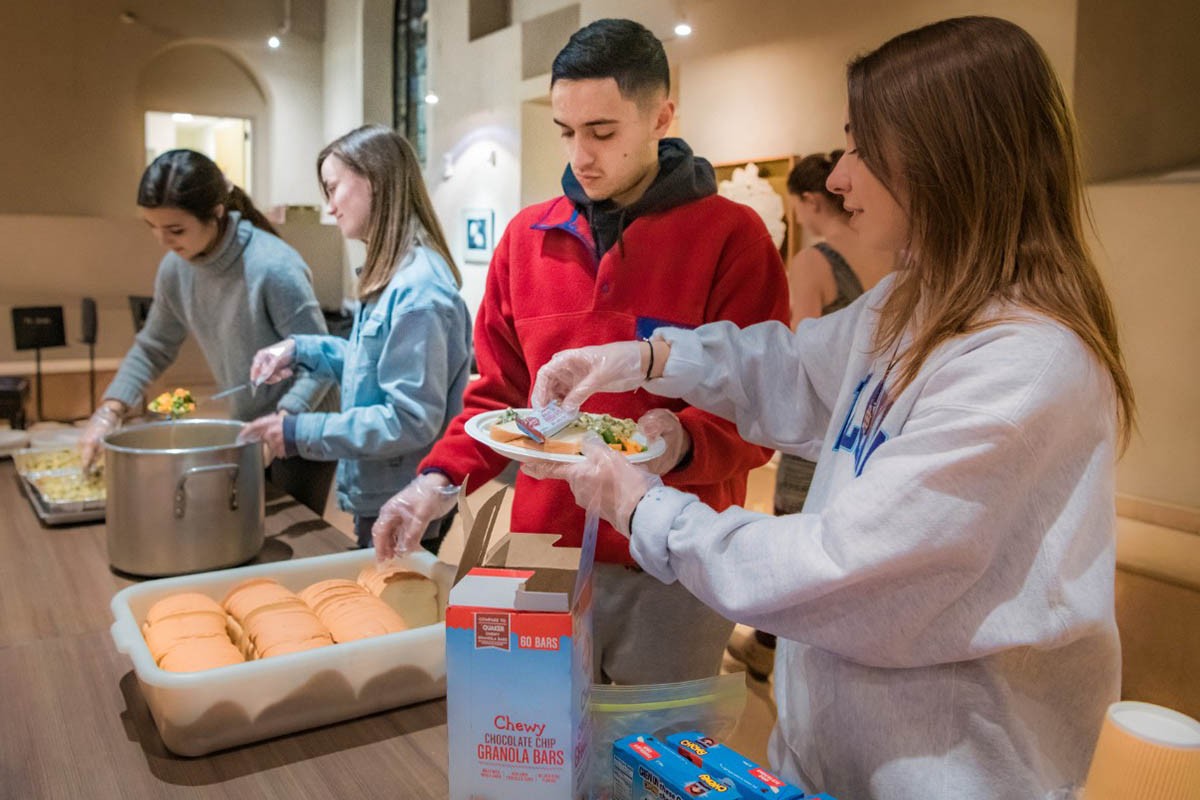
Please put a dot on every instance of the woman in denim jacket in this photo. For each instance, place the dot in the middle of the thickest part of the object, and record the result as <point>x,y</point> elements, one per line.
<point>408,358</point>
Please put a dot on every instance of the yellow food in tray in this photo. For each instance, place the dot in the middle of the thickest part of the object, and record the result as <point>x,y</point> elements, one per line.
<point>70,488</point>
<point>173,404</point>
<point>617,433</point>
<point>46,460</point>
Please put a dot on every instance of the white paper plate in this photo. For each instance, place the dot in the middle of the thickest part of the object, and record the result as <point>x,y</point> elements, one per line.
<point>479,427</point>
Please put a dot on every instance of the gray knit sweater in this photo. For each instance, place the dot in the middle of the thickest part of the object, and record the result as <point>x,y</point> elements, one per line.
<point>250,292</point>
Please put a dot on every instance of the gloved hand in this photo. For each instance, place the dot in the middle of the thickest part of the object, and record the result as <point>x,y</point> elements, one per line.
<point>104,421</point>
<point>405,516</point>
<point>273,364</point>
<point>605,482</point>
<point>572,376</point>
<point>660,422</point>
<point>267,429</point>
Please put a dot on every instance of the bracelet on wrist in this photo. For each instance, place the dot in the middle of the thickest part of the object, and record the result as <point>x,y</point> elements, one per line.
<point>650,366</point>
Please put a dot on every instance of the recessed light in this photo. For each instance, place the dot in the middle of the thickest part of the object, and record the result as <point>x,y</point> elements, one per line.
<point>683,29</point>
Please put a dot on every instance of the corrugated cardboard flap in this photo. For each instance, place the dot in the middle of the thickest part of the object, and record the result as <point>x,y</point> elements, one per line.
<point>559,572</point>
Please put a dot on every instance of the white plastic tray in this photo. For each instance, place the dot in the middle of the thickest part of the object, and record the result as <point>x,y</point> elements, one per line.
<point>479,428</point>
<point>201,712</point>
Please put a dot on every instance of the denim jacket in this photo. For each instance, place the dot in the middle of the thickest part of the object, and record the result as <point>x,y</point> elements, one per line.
<point>402,375</point>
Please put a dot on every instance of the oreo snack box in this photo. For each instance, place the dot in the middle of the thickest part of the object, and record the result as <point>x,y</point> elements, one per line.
<point>646,768</point>
<point>752,780</point>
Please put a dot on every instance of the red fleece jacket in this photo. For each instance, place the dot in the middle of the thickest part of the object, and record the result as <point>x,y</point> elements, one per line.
<point>707,260</point>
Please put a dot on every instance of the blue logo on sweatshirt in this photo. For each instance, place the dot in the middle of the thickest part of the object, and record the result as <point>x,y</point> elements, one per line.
<point>862,440</point>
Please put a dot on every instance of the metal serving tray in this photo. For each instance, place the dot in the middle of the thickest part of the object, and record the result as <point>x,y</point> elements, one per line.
<point>56,514</point>
<point>26,461</point>
<point>51,512</point>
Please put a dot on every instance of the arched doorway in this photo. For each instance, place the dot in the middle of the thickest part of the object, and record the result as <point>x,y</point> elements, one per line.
<point>202,97</point>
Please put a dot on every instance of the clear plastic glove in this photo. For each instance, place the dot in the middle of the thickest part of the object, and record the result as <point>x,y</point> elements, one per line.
<point>661,423</point>
<point>573,376</point>
<point>405,516</point>
<point>104,421</point>
<point>273,364</point>
<point>605,482</point>
<point>267,429</point>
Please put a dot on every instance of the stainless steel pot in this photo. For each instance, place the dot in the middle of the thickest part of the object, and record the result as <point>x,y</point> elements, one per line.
<point>182,497</point>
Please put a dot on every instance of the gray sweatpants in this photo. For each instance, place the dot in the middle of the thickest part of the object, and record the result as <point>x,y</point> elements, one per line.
<point>648,632</point>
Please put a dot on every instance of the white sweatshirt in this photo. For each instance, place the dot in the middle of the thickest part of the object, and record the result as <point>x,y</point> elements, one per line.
<point>945,601</point>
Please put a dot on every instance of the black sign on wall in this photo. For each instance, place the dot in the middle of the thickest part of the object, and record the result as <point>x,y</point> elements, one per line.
<point>35,327</point>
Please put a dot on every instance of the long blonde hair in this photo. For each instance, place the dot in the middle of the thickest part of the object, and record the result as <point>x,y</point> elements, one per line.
<point>965,122</point>
<point>401,211</point>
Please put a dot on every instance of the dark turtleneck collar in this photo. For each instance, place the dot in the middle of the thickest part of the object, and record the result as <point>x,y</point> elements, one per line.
<point>682,177</point>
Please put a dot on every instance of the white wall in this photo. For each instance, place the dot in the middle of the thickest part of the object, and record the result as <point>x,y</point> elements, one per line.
<point>756,79</point>
<point>477,122</point>
<point>1148,248</point>
<point>71,144</point>
<point>357,87</point>
<point>765,79</point>
<point>761,78</point>
<point>342,80</point>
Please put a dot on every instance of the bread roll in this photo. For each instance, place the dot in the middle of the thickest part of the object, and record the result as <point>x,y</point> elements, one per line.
<point>350,611</point>
<point>411,595</point>
<point>271,620</point>
<point>186,632</point>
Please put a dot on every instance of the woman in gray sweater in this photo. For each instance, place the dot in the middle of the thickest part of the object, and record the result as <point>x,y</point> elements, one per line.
<point>230,282</point>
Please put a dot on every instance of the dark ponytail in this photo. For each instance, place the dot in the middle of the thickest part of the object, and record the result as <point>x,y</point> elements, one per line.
<point>810,175</point>
<point>191,182</point>
<point>239,201</point>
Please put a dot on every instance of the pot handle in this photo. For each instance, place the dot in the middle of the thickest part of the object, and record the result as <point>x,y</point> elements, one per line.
<point>181,495</point>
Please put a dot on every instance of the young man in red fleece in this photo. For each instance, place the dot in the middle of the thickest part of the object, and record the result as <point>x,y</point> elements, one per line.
<point>640,240</point>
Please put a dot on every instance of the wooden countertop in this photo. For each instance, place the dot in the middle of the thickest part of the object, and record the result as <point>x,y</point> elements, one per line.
<point>75,725</point>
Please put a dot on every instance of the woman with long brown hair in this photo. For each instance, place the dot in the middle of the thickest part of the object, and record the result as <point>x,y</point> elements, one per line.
<point>944,605</point>
<point>406,364</point>
<point>229,281</point>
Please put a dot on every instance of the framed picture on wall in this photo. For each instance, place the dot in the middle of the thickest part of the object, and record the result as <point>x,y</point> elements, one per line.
<point>478,226</point>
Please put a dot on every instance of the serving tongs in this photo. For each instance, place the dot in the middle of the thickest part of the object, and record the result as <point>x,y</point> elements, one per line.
<point>241,387</point>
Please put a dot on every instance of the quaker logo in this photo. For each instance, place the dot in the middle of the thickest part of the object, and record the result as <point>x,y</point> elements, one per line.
<point>491,630</point>
<point>863,439</point>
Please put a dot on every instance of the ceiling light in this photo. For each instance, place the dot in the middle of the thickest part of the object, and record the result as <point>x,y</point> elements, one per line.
<point>683,29</point>
<point>431,99</point>
<point>277,39</point>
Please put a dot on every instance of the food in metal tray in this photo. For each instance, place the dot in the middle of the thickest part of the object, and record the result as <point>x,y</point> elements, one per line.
<point>70,487</point>
<point>173,404</point>
<point>617,432</point>
<point>47,460</point>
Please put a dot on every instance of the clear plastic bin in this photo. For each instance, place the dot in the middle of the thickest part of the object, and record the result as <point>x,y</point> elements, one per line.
<point>200,712</point>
